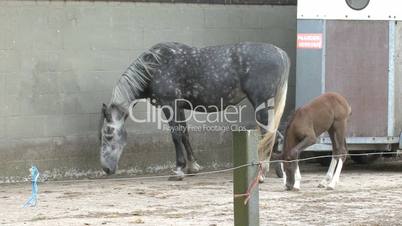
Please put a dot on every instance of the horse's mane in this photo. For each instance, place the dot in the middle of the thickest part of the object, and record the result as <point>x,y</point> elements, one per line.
<point>138,75</point>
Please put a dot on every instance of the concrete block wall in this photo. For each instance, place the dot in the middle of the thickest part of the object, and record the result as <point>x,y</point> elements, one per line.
<point>60,60</point>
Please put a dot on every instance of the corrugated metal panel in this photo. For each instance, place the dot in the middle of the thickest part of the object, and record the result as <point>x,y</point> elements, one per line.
<point>357,67</point>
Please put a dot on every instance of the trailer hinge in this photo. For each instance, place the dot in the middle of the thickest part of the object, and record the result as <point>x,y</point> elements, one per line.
<point>400,141</point>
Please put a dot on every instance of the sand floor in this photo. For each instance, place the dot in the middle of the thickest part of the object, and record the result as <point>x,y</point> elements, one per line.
<point>366,195</point>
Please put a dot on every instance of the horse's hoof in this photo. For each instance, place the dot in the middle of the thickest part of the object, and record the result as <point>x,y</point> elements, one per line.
<point>178,175</point>
<point>321,185</point>
<point>330,187</point>
<point>278,170</point>
<point>175,178</point>
<point>261,179</point>
<point>193,168</point>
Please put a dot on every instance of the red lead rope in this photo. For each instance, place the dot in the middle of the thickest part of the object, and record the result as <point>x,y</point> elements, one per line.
<point>251,187</point>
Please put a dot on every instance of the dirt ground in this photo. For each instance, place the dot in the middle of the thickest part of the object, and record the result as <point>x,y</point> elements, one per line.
<point>366,195</point>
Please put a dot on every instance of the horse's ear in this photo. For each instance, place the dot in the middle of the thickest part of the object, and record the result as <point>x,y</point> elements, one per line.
<point>104,108</point>
<point>103,116</point>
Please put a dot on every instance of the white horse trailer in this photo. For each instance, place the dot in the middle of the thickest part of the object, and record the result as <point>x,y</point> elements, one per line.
<point>354,47</point>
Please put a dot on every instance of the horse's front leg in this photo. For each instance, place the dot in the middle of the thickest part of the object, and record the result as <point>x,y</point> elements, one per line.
<point>177,133</point>
<point>293,180</point>
<point>177,137</point>
<point>192,165</point>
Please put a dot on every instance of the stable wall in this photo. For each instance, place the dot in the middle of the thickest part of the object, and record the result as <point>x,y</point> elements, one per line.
<point>59,62</point>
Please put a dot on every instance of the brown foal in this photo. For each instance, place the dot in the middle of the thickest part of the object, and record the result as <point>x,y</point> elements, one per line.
<point>328,112</point>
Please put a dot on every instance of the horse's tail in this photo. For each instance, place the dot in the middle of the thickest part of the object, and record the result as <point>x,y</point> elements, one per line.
<point>268,141</point>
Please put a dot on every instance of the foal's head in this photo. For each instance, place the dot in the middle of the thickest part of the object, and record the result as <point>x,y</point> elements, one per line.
<point>113,136</point>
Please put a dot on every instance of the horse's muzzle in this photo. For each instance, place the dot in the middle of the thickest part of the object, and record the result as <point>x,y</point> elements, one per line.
<point>108,171</point>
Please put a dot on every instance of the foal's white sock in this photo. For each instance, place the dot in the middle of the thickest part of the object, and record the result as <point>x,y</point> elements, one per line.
<point>297,178</point>
<point>335,179</point>
<point>284,174</point>
<point>329,174</point>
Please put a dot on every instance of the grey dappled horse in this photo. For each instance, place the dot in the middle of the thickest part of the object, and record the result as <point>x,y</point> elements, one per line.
<point>203,77</point>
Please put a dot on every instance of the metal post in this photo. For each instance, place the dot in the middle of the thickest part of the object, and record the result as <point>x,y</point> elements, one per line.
<point>245,144</point>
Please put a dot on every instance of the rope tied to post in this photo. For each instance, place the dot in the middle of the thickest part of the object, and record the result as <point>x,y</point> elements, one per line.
<point>253,184</point>
<point>34,180</point>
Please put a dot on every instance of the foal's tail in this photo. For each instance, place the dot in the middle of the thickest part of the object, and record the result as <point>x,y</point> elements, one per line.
<point>268,141</point>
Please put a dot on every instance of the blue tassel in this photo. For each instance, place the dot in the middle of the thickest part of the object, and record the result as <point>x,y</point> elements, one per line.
<point>33,199</point>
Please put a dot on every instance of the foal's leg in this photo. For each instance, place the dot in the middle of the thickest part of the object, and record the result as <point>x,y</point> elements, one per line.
<point>283,173</point>
<point>335,178</point>
<point>296,186</point>
<point>177,136</point>
<point>340,133</point>
<point>329,174</point>
<point>294,155</point>
<point>332,165</point>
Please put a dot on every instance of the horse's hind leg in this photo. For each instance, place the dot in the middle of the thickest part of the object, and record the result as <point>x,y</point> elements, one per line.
<point>341,151</point>
<point>331,169</point>
<point>329,175</point>
<point>337,173</point>
<point>298,178</point>
<point>177,133</point>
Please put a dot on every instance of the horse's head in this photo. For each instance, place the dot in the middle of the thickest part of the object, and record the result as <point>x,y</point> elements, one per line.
<point>113,136</point>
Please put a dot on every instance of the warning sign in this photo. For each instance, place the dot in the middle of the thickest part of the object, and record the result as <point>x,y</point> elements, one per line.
<point>309,40</point>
